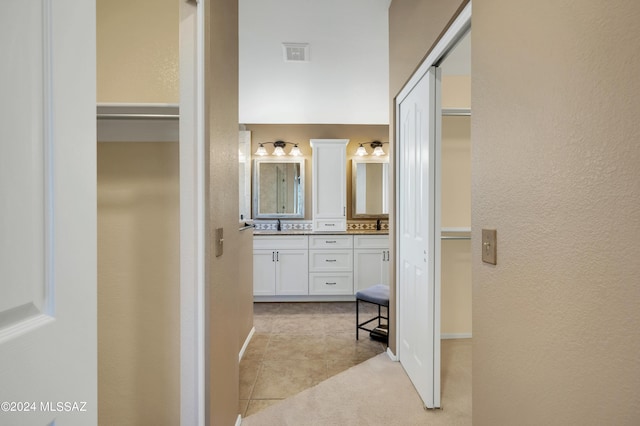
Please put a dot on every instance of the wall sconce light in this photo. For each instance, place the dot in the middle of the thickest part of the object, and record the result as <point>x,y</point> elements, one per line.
<point>278,149</point>
<point>377,149</point>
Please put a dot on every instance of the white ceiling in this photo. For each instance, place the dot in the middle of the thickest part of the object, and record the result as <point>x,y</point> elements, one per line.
<point>346,80</point>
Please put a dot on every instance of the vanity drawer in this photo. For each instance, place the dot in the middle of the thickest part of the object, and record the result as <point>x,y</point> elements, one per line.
<point>331,284</point>
<point>277,242</point>
<point>330,241</point>
<point>324,225</point>
<point>330,260</point>
<point>371,241</point>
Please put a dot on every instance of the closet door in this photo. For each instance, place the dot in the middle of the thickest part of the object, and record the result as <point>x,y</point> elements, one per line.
<point>48,342</point>
<point>418,288</point>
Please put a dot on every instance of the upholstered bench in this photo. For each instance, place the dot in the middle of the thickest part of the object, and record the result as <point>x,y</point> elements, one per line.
<point>376,295</point>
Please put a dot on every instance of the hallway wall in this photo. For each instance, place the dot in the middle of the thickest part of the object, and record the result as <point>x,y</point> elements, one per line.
<point>555,171</point>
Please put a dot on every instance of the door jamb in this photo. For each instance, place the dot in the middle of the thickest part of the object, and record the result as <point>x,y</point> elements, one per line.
<point>193,303</point>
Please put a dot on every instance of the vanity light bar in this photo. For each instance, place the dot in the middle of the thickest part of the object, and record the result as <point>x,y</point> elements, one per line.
<point>377,149</point>
<point>278,149</point>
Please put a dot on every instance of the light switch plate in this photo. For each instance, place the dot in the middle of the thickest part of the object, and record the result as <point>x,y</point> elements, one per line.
<point>489,246</point>
<point>219,242</point>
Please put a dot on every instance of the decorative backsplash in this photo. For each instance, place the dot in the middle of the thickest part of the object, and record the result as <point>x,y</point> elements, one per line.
<point>306,225</point>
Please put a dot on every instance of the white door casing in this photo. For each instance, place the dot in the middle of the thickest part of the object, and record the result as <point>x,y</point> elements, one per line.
<point>194,403</point>
<point>48,338</point>
<point>419,326</point>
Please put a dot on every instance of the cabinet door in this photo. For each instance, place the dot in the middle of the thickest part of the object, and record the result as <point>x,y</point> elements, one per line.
<point>384,279</point>
<point>292,272</point>
<point>329,184</point>
<point>369,268</point>
<point>264,275</point>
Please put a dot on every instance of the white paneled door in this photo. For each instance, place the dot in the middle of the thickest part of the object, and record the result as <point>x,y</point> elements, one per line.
<point>48,355</point>
<point>419,305</point>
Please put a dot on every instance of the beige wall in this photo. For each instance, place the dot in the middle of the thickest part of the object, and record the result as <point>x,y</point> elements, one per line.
<point>221,133</point>
<point>456,91</point>
<point>137,42</point>
<point>414,25</point>
<point>555,171</point>
<point>302,133</point>
<point>138,268</point>
<point>138,222</point>
<point>456,213</point>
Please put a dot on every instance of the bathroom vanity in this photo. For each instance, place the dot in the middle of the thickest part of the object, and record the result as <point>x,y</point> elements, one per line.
<point>308,266</point>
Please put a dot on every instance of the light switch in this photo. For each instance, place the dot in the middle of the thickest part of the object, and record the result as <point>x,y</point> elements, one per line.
<point>489,246</point>
<point>219,242</point>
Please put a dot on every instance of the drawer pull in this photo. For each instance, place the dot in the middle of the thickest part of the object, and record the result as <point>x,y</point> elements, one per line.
<point>329,224</point>
<point>330,260</point>
<point>331,242</point>
<point>331,283</point>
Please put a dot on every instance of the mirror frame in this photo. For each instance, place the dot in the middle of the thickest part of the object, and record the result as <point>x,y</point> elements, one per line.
<point>256,188</point>
<point>354,166</point>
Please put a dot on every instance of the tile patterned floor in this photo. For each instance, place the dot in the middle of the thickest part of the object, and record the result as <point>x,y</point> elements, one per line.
<point>298,345</point>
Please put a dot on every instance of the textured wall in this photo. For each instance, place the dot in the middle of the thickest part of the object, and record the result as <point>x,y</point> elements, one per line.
<point>137,42</point>
<point>414,26</point>
<point>555,170</point>
<point>221,133</point>
<point>138,225</point>
<point>456,212</point>
<point>138,268</point>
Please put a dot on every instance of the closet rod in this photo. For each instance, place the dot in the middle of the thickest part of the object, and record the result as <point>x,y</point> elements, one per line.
<point>456,111</point>
<point>138,116</point>
<point>454,238</point>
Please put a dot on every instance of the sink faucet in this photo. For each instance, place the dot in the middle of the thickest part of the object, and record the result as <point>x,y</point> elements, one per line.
<point>378,227</point>
<point>279,226</point>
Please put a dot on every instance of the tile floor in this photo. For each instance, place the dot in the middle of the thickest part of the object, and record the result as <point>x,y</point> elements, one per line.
<point>298,345</point>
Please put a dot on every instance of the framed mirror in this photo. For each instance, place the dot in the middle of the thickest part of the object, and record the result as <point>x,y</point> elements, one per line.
<point>278,188</point>
<point>370,188</point>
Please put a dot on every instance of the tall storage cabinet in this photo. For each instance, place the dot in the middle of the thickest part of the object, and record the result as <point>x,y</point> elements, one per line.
<point>329,199</point>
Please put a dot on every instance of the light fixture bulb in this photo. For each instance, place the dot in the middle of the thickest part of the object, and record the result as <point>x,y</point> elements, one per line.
<point>261,151</point>
<point>378,151</point>
<point>278,151</point>
<point>361,151</point>
<point>295,151</point>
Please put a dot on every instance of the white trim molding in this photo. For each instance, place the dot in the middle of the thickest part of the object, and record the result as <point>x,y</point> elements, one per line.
<point>450,336</point>
<point>391,355</point>
<point>246,343</point>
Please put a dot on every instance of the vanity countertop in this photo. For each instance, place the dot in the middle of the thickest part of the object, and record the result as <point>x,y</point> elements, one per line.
<point>303,232</point>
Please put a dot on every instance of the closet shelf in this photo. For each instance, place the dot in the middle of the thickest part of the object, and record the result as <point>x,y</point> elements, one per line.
<point>120,122</point>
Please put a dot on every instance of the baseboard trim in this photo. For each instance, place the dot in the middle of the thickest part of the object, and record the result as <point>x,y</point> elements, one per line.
<point>391,355</point>
<point>239,420</point>
<point>246,343</point>
<point>446,336</point>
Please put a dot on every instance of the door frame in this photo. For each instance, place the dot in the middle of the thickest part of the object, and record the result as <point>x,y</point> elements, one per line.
<point>194,402</point>
<point>446,43</point>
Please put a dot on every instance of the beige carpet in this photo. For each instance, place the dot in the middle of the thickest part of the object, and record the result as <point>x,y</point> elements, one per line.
<point>377,392</point>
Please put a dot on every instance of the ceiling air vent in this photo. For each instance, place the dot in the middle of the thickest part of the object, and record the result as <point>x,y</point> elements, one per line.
<point>295,52</point>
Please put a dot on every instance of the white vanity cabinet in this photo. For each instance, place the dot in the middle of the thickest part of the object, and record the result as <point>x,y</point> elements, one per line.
<point>329,198</point>
<point>280,265</point>
<point>370,261</point>
<point>331,265</point>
